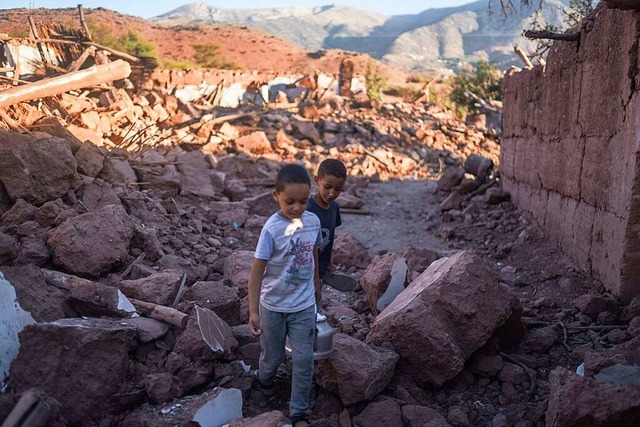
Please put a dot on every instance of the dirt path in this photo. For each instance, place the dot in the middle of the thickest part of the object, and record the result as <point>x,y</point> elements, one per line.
<point>399,210</point>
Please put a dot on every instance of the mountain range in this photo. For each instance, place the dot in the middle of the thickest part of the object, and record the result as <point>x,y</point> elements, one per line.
<point>431,40</point>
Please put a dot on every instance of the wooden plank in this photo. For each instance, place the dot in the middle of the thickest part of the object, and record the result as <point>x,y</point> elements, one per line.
<point>85,27</point>
<point>92,76</point>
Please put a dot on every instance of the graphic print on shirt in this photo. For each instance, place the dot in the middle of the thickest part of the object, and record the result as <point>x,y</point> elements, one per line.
<point>302,263</point>
<point>326,239</point>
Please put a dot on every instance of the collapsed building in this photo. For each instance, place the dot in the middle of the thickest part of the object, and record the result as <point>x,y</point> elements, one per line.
<point>130,210</point>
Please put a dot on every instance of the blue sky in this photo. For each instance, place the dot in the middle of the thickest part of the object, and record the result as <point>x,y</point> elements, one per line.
<point>147,9</point>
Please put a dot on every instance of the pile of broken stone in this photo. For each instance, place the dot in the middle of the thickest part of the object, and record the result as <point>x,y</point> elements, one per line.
<point>106,257</point>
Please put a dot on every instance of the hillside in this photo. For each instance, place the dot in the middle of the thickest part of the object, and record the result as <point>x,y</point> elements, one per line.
<point>249,48</point>
<point>418,42</point>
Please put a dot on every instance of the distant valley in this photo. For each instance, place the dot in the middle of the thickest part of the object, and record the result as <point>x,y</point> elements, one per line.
<point>431,40</point>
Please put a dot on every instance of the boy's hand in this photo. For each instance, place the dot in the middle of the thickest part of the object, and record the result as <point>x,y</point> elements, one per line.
<point>254,324</point>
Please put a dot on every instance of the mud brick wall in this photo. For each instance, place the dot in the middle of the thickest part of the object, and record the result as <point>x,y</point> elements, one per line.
<point>571,150</point>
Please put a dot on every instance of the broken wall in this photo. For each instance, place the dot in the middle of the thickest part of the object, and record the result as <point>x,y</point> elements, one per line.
<point>570,150</point>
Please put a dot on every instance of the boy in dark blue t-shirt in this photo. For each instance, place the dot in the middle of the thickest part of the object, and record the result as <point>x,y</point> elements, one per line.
<point>331,176</point>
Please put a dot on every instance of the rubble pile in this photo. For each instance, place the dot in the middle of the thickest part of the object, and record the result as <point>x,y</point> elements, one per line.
<point>127,223</point>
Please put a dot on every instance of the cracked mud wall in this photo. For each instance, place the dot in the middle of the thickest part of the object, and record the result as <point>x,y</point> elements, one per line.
<point>571,151</point>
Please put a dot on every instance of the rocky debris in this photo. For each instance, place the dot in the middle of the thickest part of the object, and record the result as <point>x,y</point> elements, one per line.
<point>237,267</point>
<point>254,143</point>
<point>97,194</point>
<point>36,170</point>
<point>384,413</point>
<point>356,371</point>
<point>579,401</point>
<point>162,388</point>
<point>92,243</point>
<point>89,384</point>
<point>118,172</point>
<point>217,297</point>
<point>193,173</point>
<point>540,340</point>
<point>45,303</point>
<point>21,212</point>
<point>593,305</point>
<point>268,419</point>
<point>8,249</point>
<point>450,178</point>
<point>422,416</point>
<point>159,288</point>
<point>95,300</point>
<point>216,407</point>
<point>462,302</point>
<point>148,329</point>
<point>349,252</point>
<point>89,159</point>
<point>419,259</point>
<point>192,360</point>
<point>376,278</point>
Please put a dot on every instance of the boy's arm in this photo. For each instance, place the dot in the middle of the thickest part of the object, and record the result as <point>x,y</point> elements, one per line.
<point>255,283</point>
<point>316,275</point>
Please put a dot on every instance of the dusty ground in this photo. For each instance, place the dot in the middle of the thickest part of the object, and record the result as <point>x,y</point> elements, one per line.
<point>398,210</point>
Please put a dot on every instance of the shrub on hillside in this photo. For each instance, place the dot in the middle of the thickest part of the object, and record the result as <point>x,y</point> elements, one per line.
<point>131,42</point>
<point>484,80</point>
<point>375,81</point>
<point>208,55</point>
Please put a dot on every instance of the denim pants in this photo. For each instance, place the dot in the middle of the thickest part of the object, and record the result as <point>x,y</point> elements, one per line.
<point>300,327</point>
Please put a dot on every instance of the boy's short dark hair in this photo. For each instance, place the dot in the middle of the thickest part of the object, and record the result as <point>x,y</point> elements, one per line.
<point>291,174</point>
<point>333,167</point>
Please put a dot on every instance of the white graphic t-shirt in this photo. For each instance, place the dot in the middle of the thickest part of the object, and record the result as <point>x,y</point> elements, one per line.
<point>287,246</point>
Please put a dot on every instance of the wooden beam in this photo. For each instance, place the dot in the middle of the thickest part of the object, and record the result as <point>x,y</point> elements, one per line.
<point>523,57</point>
<point>92,76</point>
<point>160,312</point>
<point>85,27</point>
<point>574,37</point>
<point>77,63</point>
<point>114,52</point>
<point>33,30</point>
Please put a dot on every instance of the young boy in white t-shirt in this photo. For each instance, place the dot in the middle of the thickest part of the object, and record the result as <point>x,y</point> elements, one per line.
<point>284,287</point>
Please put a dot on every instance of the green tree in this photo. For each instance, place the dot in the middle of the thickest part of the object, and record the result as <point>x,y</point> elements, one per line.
<point>484,80</point>
<point>209,55</point>
<point>375,81</point>
<point>134,44</point>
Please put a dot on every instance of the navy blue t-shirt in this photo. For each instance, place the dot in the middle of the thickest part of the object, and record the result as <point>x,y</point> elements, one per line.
<point>329,220</point>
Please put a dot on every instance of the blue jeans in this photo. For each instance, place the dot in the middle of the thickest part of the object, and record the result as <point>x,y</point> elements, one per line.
<point>300,327</point>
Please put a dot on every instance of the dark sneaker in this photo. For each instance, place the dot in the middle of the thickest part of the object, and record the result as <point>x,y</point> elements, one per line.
<point>267,391</point>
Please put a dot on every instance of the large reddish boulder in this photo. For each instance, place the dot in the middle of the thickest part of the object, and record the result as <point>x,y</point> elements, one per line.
<point>192,360</point>
<point>237,267</point>
<point>92,243</point>
<point>193,173</point>
<point>117,172</point>
<point>83,363</point>
<point>89,159</point>
<point>45,303</point>
<point>36,170</point>
<point>576,401</point>
<point>443,316</point>
<point>217,297</point>
<point>356,371</point>
<point>157,175</point>
<point>159,288</point>
<point>254,143</point>
<point>383,413</point>
<point>349,252</point>
<point>377,276</point>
